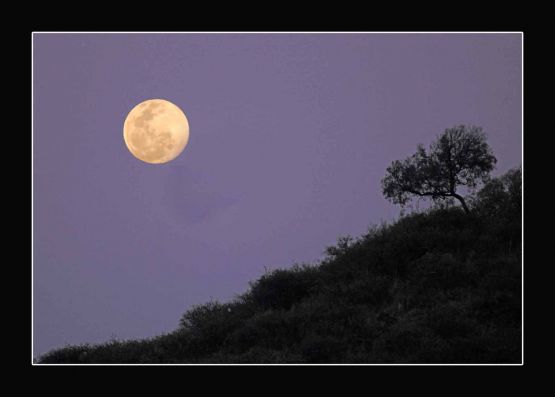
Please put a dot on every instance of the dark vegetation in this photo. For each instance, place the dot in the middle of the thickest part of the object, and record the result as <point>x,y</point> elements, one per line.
<point>460,157</point>
<point>442,286</point>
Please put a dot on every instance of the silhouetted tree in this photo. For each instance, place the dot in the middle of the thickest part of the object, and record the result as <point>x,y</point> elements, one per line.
<point>459,157</point>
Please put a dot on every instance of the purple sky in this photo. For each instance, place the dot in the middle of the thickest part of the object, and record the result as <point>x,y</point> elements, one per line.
<point>290,137</point>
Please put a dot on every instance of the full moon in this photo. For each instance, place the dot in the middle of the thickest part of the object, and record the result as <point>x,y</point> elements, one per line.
<point>156,131</point>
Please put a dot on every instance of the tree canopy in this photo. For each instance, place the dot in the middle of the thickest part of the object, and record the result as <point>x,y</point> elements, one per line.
<point>459,157</point>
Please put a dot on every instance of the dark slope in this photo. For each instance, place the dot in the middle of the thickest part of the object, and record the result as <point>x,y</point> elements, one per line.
<point>435,287</point>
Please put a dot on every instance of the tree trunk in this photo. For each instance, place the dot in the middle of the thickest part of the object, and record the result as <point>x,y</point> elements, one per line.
<point>463,203</point>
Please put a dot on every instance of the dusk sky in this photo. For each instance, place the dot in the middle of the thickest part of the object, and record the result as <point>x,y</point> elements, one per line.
<point>290,136</point>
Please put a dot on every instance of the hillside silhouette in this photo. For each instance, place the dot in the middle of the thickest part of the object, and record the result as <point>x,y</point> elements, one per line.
<point>441,286</point>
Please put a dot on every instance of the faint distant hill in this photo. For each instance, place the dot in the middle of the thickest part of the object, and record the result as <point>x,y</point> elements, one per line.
<point>434,287</point>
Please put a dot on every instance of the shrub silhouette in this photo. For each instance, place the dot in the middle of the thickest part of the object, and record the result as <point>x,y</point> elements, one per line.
<point>434,287</point>
<point>281,288</point>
